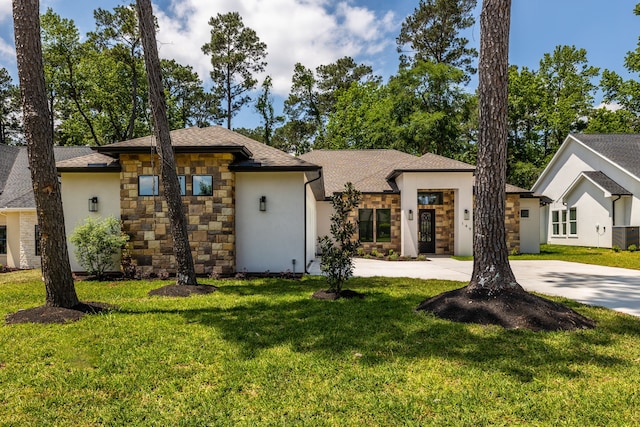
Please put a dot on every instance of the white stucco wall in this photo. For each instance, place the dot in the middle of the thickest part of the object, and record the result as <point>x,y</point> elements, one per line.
<point>21,238</point>
<point>77,189</point>
<point>461,182</point>
<point>593,208</point>
<point>324,210</point>
<point>269,241</point>
<point>530,227</point>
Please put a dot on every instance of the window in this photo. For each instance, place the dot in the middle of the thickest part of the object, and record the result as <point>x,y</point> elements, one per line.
<point>148,185</point>
<point>365,224</point>
<point>202,185</point>
<point>430,198</point>
<point>182,180</point>
<point>3,239</point>
<point>37,237</point>
<point>573,221</point>
<point>383,225</point>
<point>555,221</point>
<point>524,213</point>
<point>564,223</point>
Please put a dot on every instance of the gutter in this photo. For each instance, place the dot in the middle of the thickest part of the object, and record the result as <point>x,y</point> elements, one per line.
<point>306,265</point>
<point>613,208</point>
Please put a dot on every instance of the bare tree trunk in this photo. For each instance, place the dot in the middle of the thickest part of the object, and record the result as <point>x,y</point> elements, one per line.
<point>185,274</point>
<point>492,273</point>
<point>56,270</point>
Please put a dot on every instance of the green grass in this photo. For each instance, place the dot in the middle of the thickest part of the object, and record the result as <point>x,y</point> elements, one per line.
<point>585,255</point>
<point>261,352</point>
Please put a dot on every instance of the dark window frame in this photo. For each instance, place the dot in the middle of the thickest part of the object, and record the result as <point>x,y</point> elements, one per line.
<point>200,186</point>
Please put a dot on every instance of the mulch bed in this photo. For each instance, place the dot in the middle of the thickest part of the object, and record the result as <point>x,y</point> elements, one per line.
<point>332,296</point>
<point>46,314</point>
<point>174,290</point>
<point>509,309</point>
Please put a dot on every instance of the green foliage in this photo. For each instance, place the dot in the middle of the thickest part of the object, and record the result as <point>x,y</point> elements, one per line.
<point>632,248</point>
<point>615,248</point>
<point>97,242</point>
<point>237,54</point>
<point>432,33</point>
<point>338,252</point>
<point>10,125</point>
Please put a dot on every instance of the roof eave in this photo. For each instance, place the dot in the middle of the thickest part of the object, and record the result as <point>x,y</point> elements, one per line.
<point>396,172</point>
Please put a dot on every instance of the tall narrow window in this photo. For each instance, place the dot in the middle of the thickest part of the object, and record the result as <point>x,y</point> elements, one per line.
<point>573,221</point>
<point>555,222</point>
<point>383,225</point>
<point>3,239</point>
<point>564,222</point>
<point>202,185</point>
<point>365,224</point>
<point>148,185</point>
<point>182,180</point>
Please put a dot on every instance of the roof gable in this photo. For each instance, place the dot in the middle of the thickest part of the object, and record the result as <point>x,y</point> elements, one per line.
<point>621,150</point>
<point>598,178</point>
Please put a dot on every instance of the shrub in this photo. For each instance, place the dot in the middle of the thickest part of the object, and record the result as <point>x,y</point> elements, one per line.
<point>632,248</point>
<point>374,253</point>
<point>422,257</point>
<point>360,251</point>
<point>615,248</point>
<point>391,252</point>
<point>393,256</point>
<point>336,260</point>
<point>97,243</point>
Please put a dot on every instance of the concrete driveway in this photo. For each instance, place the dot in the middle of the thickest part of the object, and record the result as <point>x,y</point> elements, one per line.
<point>615,288</point>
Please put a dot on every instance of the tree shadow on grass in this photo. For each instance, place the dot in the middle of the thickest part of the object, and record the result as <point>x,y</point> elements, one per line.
<point>382,328</point>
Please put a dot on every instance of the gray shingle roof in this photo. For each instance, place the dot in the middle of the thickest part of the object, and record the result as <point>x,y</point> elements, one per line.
<point>607,183</point>
<point>18,189</point>
<point>250,154</point>
<point>93,161</point>
<point>621,149</point>
<point>365,169</point>
<point>7,157</point>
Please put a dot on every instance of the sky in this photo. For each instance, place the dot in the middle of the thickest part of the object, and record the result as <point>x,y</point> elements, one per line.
<point>316,32</point>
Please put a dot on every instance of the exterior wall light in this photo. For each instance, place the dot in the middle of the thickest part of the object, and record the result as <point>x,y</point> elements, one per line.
<point>466,214</point>
<point>263,203</point>
<point>410,215</point>
<point>93,204</point>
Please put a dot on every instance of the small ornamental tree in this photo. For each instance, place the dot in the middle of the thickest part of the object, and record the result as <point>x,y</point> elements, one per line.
<point>336,260</point>
<point>97,243</point>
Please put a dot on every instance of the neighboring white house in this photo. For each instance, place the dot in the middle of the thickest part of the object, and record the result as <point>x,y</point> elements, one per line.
<point>19,245</point>
<point>594,184</point>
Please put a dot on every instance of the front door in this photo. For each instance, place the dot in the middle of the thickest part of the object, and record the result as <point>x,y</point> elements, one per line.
<point>427,231</point>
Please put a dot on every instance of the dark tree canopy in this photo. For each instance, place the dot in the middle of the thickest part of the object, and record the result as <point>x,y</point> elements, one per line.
<point>432,33</point>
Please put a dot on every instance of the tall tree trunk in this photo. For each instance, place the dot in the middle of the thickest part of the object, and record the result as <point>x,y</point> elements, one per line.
<point>56,270</point>
<point>185,274</point>
<point>492,273</point>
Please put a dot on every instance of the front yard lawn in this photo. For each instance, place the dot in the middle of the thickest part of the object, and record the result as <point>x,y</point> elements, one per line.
<point>262,352</point>
<point>597,256</point>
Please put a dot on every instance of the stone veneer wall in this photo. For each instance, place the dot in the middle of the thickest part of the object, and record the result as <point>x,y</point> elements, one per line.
<point>211,219</point>
<point>28,258</point>
<point>445,227</point>
<point>512,222</point>
<point>382,201</point>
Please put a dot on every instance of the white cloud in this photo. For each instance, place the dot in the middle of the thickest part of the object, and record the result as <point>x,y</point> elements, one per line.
<point>5,9</point>
<point>611,106</point>
<point>312,32</point>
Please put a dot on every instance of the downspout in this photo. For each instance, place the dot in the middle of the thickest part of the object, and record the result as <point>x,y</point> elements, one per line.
<point>305,219</point>
<point>613,208</point>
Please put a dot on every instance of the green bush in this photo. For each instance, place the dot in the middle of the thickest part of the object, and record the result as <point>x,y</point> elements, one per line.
<point>632,248</point>
<point>336,260</point>
<point>391,252</point>
<point>393,257</point>
<point>615,248</point>
<point>97,243</point>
